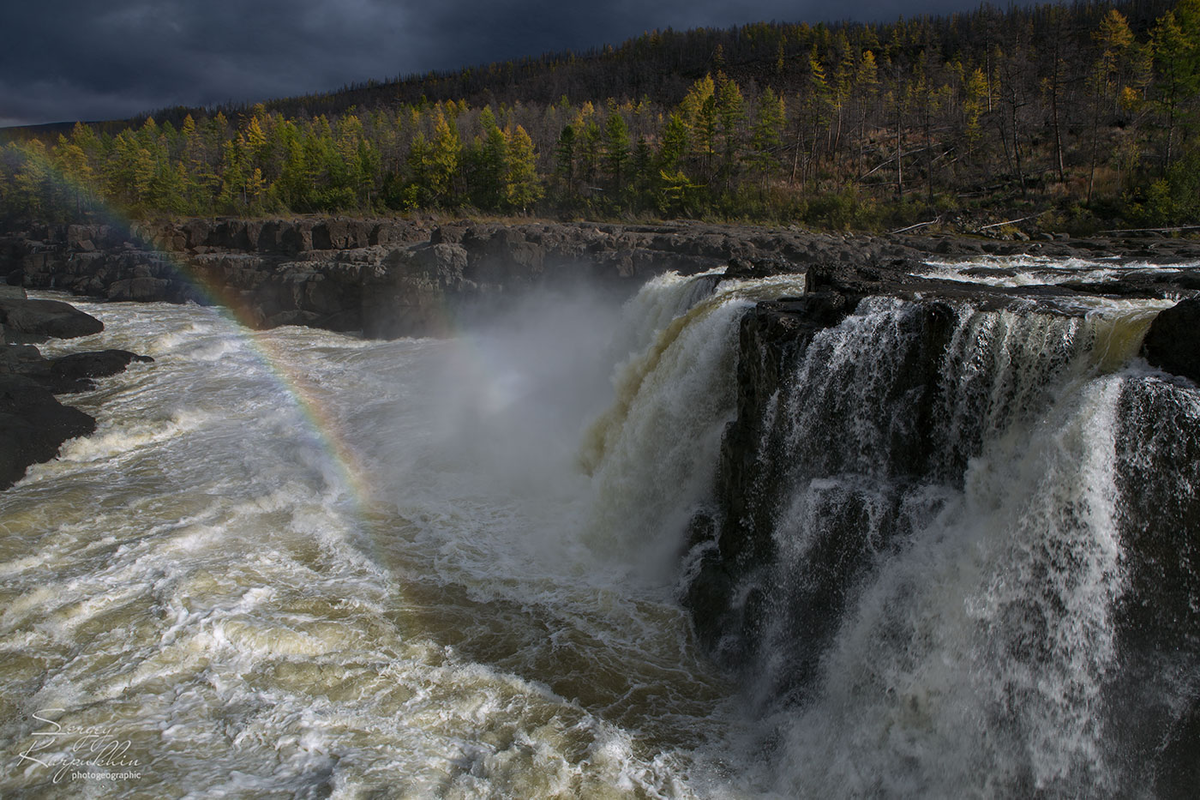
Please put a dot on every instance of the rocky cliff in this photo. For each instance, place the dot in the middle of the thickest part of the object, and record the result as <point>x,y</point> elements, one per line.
<point>977,437</point>
<point>395,277</point>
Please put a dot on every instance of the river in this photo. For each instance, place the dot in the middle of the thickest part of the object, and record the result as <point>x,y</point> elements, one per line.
<point>298,563</point>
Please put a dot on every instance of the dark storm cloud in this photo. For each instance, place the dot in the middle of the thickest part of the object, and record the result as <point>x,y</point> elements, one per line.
<point>103,59</point>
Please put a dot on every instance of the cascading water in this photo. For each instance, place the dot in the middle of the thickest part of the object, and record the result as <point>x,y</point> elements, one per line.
<point>301,563</point>
<point>205,584</point>
<point>935,557</point>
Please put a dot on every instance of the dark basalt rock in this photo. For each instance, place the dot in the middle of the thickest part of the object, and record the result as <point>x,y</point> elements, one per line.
<point>1154,700</point>
<point>139,289</point>
<point>366,264</point>
<point>78,369</point>
<point>38,320</point>
<point>748,269</point>
<point>772,338</point>
<point>33,425</point>
<point>743,590</point>
<point>1173,341</point>
<point>760,462</point>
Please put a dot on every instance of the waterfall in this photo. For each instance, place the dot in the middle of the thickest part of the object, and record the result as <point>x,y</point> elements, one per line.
<point>923,575</point>
<point>730,539</point>
<point>651,454</point>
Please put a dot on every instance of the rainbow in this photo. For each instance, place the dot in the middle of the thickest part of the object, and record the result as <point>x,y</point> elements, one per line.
<point>322,422</point>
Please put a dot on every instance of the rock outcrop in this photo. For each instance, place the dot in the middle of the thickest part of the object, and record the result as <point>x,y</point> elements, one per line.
<point>1173,341</point>
<point>38,320</point>
<point>397,277</point>
<point>861,409</point>
<point>33,423</point>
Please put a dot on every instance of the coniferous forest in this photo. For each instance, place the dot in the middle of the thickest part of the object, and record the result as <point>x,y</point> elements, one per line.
<point>1083,116</point>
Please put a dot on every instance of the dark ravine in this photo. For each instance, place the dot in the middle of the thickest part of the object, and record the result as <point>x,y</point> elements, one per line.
<point>33,423</point>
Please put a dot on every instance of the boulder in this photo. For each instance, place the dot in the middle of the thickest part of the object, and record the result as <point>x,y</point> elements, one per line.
<point>1173,341</point>
<point>98,364</point>
<point>37,320</point>
<point>33,425</point>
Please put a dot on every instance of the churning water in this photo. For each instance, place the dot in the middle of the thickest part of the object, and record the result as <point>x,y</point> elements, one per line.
<point>295,563</point>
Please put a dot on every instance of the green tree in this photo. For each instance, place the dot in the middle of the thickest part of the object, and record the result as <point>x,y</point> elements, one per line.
<point>731,113</point>
<point>491,162</point>
<point>522,186</point>
<point>589,151</point>
<point>616,150</point>
<point>235,170</point>
<point>564,158</point>
<point>674,144</point>
<point>419,192</point>
<point>766,136</point>
<point>74,165</point>
<point>32,189</point>
<point>443,157</point>
<point>1113,38</point>
<point>1177,56</point>
<point>642,166</point>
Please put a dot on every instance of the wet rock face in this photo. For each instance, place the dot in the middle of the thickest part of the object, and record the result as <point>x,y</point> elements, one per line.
<point>1154,700</point>
<point>1173,341</point>
<point>807,507</point>
<point>76,372</point>
<point>765,454</point>
<point>37,320</point>
<point>33,423</point>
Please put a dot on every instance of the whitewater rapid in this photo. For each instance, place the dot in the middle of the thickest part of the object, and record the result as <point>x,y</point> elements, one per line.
<point>298,563</point>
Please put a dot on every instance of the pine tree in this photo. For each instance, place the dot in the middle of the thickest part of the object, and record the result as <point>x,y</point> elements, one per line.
<point>674,143</point>
<point>1177,56</point>
<point>704,135</point>
<point>564,159</point>
<point>616,150</point>
<point>1114,38</point>
<point>698,112</point>
<point>766,136</point>
<point>643,169</point>
<point>443,158</point>
<point>73,163</point>
<point>522,187</point>
<point>589,151</point>
<point>974,106</point>
<point>492,162</point>
<point>731,112</point>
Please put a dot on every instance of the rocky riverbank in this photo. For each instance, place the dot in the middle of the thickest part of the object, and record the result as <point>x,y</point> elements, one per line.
<point>396,277</point>
<point>33,423</point>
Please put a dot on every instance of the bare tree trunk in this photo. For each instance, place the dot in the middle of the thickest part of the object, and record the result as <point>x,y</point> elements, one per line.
<point>929,149</point>
<point>796,150</point>
<point>1095,147</point>
<point>1058,148</point>
<point>1017,142</point>
<point>1055,87</point>
<point>1004,142</point>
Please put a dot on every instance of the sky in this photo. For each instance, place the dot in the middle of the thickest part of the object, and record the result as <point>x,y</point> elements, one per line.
<point>65,60</point>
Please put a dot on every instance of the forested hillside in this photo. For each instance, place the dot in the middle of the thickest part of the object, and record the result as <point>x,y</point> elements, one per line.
<point>1088,115</point>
